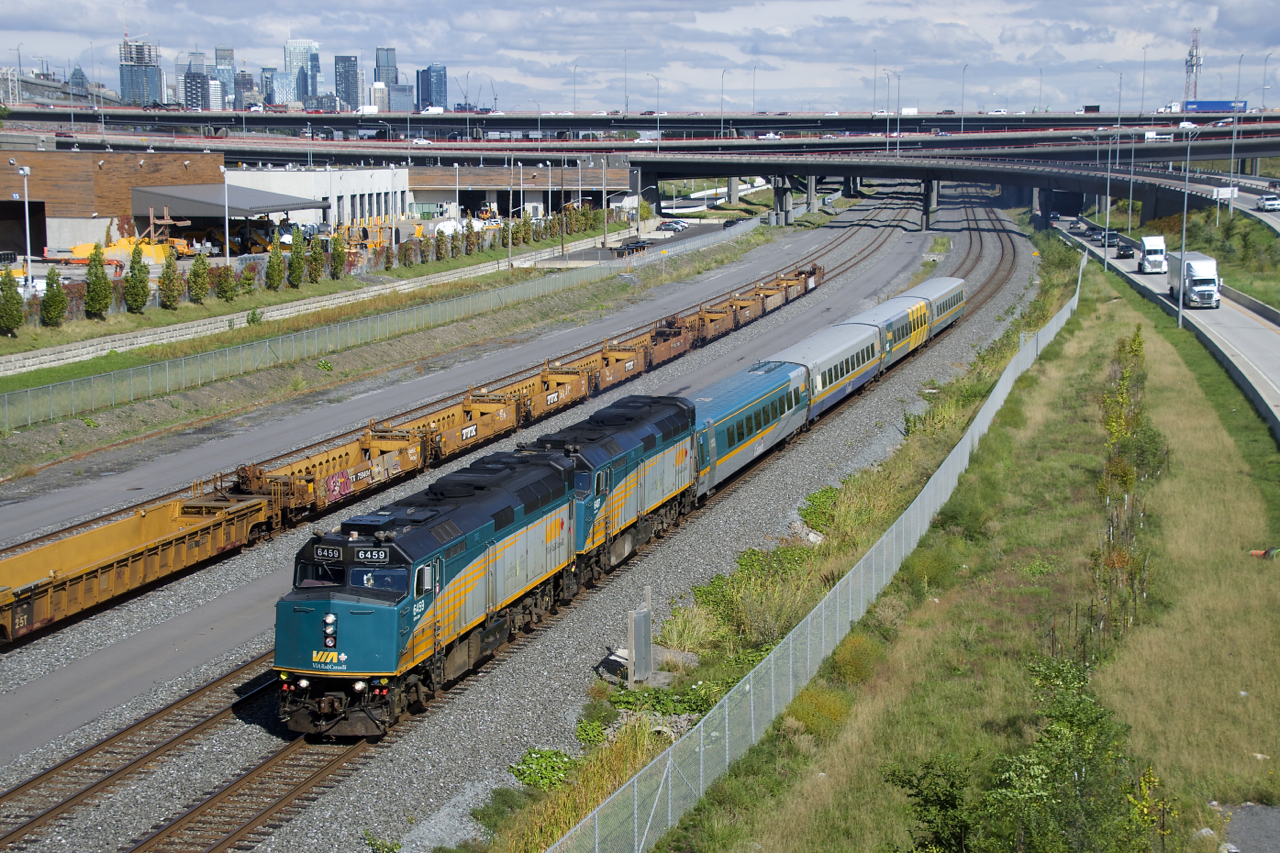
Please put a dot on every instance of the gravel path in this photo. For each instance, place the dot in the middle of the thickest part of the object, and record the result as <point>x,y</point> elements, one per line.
<point>420,788</point>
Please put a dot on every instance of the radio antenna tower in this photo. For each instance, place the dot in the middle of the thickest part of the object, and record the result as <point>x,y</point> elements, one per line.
<point>1194,63</point>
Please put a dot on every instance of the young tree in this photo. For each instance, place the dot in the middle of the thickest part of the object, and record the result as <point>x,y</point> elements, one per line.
<point>137,284</point>
<point>275,266</point>
<point>455,244</point>
<point>337,257</point>
<point>468,238</point>
<point>297,260</point>
<point>315,261</point>
<point>442,246</point>
<point>10,305</point>
<point>248,278</point>
<point>53,308</point>
<point>170,284</point>
<point>97,292</point>
<point>506,234</point>
<point>198,280</point>
<point>224,283</point>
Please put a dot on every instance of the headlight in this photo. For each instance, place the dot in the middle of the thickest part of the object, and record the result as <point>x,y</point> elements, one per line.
<point>303,684</point>
<point>330,642</point>
<point>329,619</point>
<point>328,630</point>
<point>359,686</point>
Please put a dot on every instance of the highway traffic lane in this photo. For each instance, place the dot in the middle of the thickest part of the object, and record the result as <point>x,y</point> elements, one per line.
<point>58,703</point>
<point>274,437</point>
<point>67,698</point>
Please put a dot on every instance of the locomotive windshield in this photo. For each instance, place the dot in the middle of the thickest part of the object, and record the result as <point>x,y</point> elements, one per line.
<point>310,575</point>
<point>381,580</point>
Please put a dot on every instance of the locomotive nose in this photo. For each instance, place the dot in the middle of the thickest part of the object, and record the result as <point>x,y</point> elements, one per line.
<point>336,637</point>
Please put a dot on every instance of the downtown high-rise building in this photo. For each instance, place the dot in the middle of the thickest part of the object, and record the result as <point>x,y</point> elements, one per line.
<point>268,84</point>
<point>141,77</point>
<point>224,71</point>
<point>433,87</point>
<point>300,77</point>
<point>346,80</point>
<point>384,69</point>
<point>243,86</point>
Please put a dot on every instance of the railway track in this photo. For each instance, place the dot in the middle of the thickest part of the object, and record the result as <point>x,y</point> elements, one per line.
<point>245,810</point>
<point>89,774</point>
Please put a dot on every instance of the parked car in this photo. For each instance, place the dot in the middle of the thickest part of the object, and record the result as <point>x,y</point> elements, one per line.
<point>729,223</point>
<point>668,226</point>
<point>1124,250</point>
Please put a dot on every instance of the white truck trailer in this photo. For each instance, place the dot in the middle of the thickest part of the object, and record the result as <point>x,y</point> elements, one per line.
<point>1196,282</point>
<point>1153,258</point>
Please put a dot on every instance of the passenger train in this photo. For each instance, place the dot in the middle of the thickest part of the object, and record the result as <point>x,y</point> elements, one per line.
<point>390,607</point>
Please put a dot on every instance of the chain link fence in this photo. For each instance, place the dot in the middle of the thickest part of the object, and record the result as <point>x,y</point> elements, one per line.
<point>654,800</point>
<point>78,397</point>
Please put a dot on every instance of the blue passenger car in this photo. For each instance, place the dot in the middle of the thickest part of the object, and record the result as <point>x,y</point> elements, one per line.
<point>744,415</point>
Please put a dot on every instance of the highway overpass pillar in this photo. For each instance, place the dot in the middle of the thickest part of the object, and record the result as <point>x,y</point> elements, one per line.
<point>928,202</point>
<point>811,193</point>
<point>1043,204</point>
<point>782,214</point>
<point>733,191</point>
<point>1255,167</point>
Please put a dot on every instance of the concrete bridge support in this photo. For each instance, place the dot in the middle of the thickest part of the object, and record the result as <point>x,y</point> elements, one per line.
<point>782,212</point>
<point>851,187</point>
<point>811,193</point>
<point>928,202</point>
<point>1043,205</point>
<point>733,191</point>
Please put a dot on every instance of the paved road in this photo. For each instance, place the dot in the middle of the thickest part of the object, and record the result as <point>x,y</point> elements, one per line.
<point>1252,342</point>
<point>126,669</point>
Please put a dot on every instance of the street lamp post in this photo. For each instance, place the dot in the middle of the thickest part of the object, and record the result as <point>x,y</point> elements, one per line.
<point>226,219</point>
<point>1119,90</point>
<point>722,100</point>
<point>626,101</point>
<point>887,90</point>
<point>457,201</point>
<point>1265,87</point>
<point>962,73</point>
<point>753,87</point>
<point>1182,246</point>
<point>1040,91</point>
<point>898,120</point>
<point>308,145</point>
<point>25,171</point>
<point>1106,228</point>
<point>875,78</point>
<point>575,88</point>
<point>1142,99</point>
<point>539,106</point>
<point>1235,122</point>
<point>657,101</point>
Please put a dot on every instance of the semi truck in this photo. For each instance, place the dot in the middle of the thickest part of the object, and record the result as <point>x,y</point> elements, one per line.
<point>1197,284</point>
<point>1153,258</point>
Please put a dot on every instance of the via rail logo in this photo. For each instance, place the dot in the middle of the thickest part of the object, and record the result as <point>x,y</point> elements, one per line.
<point>329,660</point>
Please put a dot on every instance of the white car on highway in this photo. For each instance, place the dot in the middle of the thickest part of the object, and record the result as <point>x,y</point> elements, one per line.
<point>1268,203</point>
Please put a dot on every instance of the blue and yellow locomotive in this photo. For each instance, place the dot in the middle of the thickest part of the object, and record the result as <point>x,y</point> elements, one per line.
<point>391,606</point>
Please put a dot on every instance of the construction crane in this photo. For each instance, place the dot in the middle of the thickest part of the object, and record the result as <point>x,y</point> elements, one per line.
<point>1194,63</point>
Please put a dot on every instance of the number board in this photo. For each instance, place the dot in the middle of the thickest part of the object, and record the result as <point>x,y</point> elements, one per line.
<point>326,553</point>
<point>371,555</point>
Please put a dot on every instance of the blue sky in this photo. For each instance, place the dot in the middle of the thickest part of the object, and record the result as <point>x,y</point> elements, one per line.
<point>812,55</point>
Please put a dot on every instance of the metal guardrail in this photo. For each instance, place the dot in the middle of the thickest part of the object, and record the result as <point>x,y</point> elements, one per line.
<point>654,800</point>
<point>78,397</point>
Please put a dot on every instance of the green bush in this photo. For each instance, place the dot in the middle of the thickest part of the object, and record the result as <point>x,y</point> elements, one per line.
<point>297,259</point>
<point>137,283</point>
<point>315,261</point>
<point>821,709</point>
<point>10,304</point>
<point>198,280</point>
<point>97,291</point>
<point>856,658</point>
<point>170,284</point>
<point>275,266</point>
<point>338,257</point>
<point>544,769</point>
<point>224,283</point>
<point>53,308</point>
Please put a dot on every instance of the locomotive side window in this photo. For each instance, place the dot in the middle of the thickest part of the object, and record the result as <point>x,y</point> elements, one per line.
<point>600,482</point>
<point>420,579</point>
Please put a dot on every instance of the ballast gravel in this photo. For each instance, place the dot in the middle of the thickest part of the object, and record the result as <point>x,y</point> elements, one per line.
<point>420,785</point>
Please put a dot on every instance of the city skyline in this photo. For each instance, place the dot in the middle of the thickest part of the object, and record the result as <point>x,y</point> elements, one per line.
<point>768,56</point>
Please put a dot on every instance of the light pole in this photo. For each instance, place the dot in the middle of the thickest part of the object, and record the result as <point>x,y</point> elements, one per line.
<point>722,100</point>
<point>25,171</point>
<point>657,102</point>
<point>753,87</point>
<point>1119,90</point>
<point>626,101</point>
<point>1040,91</point>
<point>898,120</point>
<point>1182,246</point>
<point>962,73</point>
<point>226,219</point>
<point>457,203</point>
<point>1265,87</point>
<point>1142,99</point>
<point>887,90</point>
<point>309,145</point>
<point>1235,122</point>
<point>875,78</point>
<point>575,88</point>
<point>1106,228</point>
<point>539,106</point>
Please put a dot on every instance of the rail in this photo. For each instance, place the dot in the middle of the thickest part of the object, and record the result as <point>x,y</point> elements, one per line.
<point>79,397</point>
<point>654,800</point>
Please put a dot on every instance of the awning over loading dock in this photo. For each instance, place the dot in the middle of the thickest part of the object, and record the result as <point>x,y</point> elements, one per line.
<point>206,200</point>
